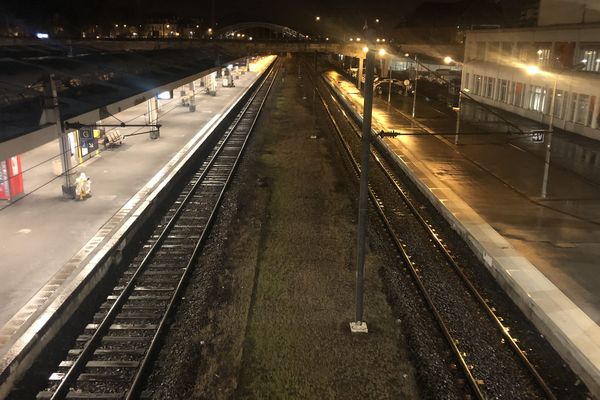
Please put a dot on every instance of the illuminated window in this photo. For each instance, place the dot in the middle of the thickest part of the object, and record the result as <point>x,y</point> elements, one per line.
<point>591,59</point>
<point>503,90</point>
<point>543,56</point>
<point>489,86</point>
<point>560,103</point>
<point>537,102</point>
<point>583,102</point>
<point>519,94</point>
<point>477,84</point>
<point>573,107</point>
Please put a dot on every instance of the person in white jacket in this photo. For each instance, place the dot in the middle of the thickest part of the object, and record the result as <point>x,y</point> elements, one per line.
<point>83,186</point>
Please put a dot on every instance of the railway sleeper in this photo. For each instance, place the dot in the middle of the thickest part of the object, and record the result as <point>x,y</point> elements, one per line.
<point>115,339</point>
<point>84,396</point>
<point>155,269</point>
<point>124,326</point>
<point>147,289</point>
<point>103,364</point>
<point>143,298</point>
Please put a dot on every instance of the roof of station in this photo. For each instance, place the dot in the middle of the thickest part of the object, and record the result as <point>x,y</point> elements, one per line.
<point>87,77</point>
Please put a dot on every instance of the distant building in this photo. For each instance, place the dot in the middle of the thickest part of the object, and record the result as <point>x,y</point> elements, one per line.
<point>442,22</point>
<point>563,48</point>
<point>529,14</point>
<point>554,12</point>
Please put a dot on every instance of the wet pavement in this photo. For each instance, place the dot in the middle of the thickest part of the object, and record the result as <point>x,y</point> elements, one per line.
<point>500,176</point>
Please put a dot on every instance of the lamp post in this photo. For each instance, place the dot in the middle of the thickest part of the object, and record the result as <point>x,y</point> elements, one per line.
<point>382,54</point>
<point>414,107</point>
<point>534,70</point>
<point>458,117</point>
<point>549,144</point>
<point>448,60</point>
<point>359,325</point>
<point>390,84</point>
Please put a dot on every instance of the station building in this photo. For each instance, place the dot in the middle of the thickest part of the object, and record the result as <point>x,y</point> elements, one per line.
<point>516,69</point>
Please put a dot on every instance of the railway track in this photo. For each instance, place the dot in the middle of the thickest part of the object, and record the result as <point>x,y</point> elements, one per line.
<point>490,359</point>
<point>112,357</point>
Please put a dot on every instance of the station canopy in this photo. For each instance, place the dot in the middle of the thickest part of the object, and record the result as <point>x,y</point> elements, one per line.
<point>88,76</point>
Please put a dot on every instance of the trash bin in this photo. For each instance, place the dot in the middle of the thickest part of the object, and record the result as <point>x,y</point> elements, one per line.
<point>154,134</point>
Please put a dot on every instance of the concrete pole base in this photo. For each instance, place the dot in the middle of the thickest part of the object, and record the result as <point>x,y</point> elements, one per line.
<point>359,327</point>
<point>68,191</point>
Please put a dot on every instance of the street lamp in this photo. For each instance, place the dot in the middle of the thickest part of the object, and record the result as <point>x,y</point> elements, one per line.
<point>317,18</point>
<point>458,110</point>
<point>359,325</point>
<point>382,54</point>
<point>449,60</point>
<point>414,107</point>
<point>534,70</point>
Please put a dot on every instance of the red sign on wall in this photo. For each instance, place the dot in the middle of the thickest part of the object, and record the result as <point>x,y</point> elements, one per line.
<point>11,178</point>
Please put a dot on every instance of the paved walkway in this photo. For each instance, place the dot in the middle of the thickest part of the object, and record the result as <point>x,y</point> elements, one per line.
<point>500,177</point>
<point>42,231</point>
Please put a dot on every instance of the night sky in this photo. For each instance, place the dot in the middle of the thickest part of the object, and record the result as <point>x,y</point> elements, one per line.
<point>335,14</point>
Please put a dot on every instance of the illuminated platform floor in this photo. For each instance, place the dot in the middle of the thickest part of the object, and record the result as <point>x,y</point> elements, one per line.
<point>545,251</point>
<point>42,231</point>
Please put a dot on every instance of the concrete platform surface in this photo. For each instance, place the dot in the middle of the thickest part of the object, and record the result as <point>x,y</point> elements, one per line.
<point>45,238</point>
<point>543,251</point>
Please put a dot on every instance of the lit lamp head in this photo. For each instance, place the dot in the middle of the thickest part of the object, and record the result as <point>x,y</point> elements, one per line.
<point>448,60</point>
<point>365,49</point>
<point>381,52</point>
<point>532,69</point>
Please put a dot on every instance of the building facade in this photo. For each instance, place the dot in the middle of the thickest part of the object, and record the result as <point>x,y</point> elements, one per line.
<point>556,12</point>
<point>498,71</point>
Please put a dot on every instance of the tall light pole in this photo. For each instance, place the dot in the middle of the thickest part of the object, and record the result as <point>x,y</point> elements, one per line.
<point>416,82</point>
<point>390,85</point>
<point>382,54</point>
<point>534,70</point>
<point>549,144</point>
<point>359,325</point>
<point>449,60</point>
<point>458,116</point>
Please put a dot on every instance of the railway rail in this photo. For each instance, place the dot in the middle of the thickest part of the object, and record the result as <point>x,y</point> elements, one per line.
<point>112,357</point>
<point>491,361</point>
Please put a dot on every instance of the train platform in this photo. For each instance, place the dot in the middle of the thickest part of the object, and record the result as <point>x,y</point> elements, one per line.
<point>544,251</point>
<point>47,239</point>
